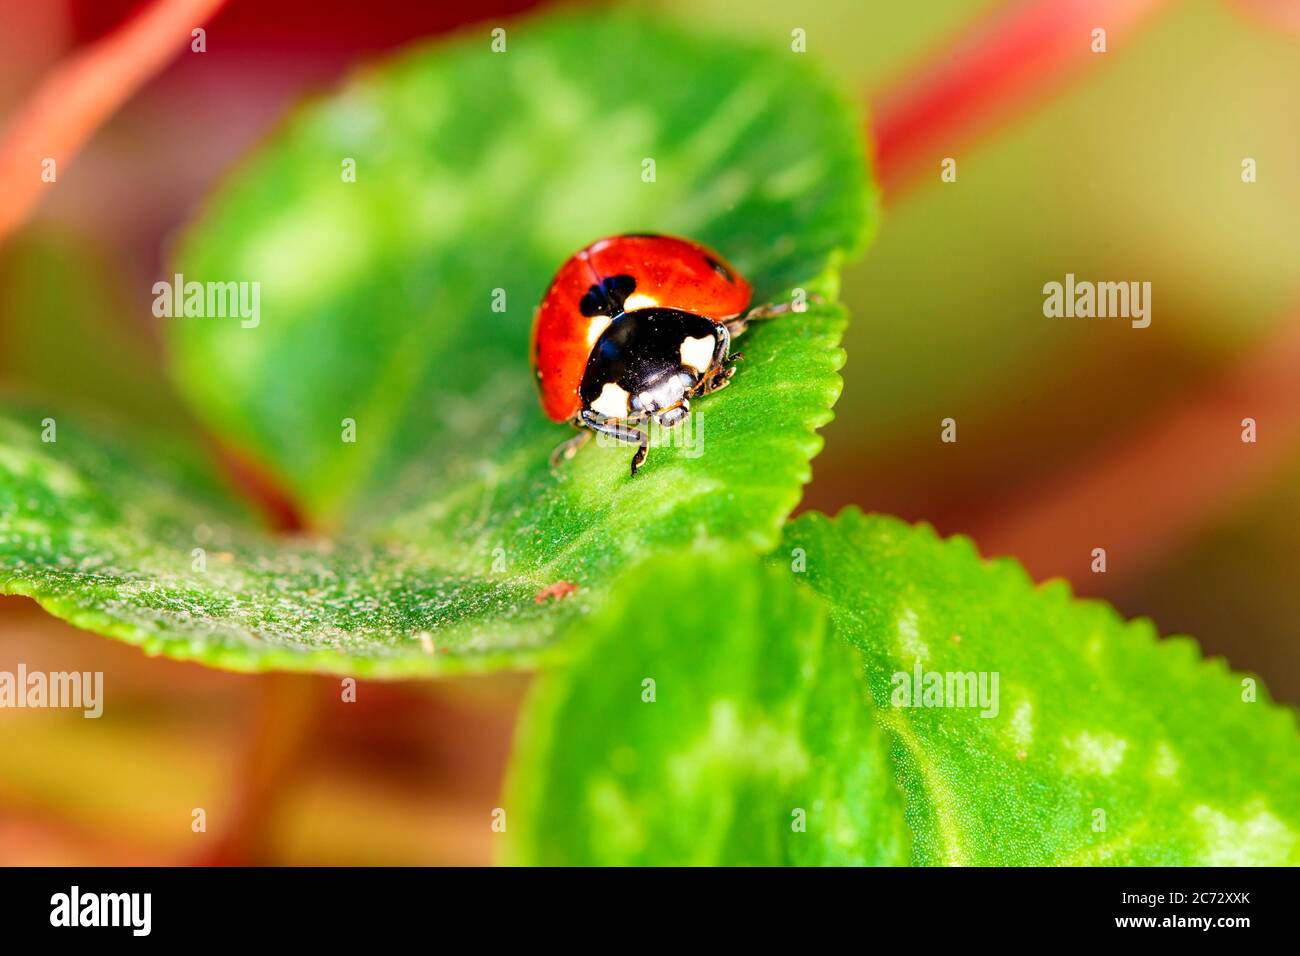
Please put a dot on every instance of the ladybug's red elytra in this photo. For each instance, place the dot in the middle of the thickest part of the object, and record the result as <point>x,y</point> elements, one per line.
<point>631,329</point>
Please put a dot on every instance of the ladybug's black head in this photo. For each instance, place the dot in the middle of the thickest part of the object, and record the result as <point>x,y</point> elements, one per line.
<point>649,362</point>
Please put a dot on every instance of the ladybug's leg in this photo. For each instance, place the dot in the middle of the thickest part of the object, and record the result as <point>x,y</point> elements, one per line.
<point>567,449</point>
<point>720,377</point>
<point>723,367</point>
<point>624,433</point>
<point>771,311</point>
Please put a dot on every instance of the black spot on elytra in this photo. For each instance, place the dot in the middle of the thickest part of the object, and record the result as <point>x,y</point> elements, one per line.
<point>608,297</point>
<point>720,269</point>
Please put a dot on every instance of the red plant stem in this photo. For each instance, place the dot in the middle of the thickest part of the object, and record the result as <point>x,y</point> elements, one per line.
<point>280,732</point>
<point>1139,499</point>
<point>81,93</point>
<point>996,69</point>
<point>255,484</point>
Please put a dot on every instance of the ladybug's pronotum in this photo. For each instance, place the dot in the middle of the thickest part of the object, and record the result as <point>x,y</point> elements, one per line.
<point>631,329</point>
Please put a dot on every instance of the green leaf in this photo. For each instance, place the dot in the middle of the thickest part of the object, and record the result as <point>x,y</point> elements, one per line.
<point>1095,715</point>
<point>139,542</point>
<point>475,171</point>
<point>754,743</point>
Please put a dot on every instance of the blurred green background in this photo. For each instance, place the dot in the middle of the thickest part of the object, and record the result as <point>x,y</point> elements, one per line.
<point>1129,172</point>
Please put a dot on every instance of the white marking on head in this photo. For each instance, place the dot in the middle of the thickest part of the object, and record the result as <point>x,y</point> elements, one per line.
<point>599,323</point>
<point>668,391</point>
<point>638,300</point>
<point>613,402</point>
<point>698,353</point>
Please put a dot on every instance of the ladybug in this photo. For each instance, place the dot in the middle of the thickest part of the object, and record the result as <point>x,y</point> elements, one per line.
<point>630,330</point>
